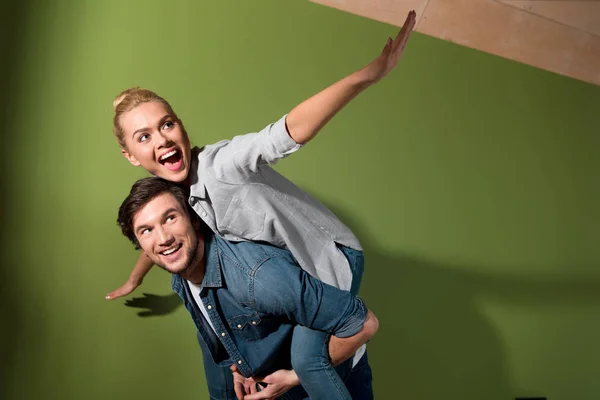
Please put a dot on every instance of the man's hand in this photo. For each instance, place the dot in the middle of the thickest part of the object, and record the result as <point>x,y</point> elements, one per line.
<point>382,65</point>
<point>278,383</point>
<point>124,290</point>
<point>241,386</point>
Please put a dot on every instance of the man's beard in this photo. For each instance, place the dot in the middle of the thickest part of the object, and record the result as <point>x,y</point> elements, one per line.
<point>190,259</point>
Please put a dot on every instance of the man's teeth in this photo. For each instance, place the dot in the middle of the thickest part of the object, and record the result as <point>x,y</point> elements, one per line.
<point>169,154</point>
<point>170,251</point>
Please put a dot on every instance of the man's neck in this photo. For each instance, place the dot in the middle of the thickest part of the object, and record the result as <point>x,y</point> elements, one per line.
<point>195,273</point>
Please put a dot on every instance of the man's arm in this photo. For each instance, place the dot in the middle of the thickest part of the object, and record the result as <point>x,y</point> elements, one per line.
<point>283,289</point>
<point>140,270</point>
<point>283,380</point>
<point>341,349</point>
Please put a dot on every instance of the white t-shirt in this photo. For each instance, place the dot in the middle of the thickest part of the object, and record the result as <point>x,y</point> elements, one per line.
<point>195,289</point>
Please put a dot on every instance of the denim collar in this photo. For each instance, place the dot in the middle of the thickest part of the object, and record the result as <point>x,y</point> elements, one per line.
<point>212,264</point>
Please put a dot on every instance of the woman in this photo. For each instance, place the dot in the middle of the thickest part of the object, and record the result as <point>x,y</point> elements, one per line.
<point>237,194</point>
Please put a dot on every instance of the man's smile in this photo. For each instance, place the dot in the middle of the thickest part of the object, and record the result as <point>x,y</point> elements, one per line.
<point>172,252</point>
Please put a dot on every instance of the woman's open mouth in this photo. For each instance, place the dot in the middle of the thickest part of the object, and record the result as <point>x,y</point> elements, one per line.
<point>172,160</point>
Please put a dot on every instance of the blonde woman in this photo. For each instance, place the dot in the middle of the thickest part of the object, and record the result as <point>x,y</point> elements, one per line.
<point>240,197</point>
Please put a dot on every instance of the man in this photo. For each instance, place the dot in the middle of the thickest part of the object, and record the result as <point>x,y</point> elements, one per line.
<point>245,298</point>
<point>240,197</point>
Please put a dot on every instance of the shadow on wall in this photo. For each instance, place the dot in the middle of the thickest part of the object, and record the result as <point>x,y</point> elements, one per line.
<point>155,305</point>
<point>13,16</point>
<point>433,341</point>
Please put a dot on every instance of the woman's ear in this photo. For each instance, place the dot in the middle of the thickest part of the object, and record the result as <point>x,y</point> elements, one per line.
<point>132,160</point>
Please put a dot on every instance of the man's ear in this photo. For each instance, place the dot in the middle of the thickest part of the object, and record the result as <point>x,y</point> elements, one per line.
<point>130,158</point>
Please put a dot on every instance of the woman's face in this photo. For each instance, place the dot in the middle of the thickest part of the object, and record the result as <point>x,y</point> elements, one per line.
<point>157,141</point>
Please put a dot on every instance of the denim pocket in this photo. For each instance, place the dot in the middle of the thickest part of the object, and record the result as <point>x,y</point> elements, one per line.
<point>248,326</point>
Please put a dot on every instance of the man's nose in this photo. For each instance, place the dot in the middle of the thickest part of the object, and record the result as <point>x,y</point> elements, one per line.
<point>164,237</point>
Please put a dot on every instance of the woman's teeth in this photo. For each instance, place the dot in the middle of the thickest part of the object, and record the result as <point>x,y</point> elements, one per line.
<point>169,154</point>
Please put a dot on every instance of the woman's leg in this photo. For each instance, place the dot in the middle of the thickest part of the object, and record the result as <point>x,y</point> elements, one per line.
<point>310,349</point>
<point>310,360</point>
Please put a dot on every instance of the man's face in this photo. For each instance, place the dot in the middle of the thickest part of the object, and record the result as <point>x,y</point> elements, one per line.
<point>156,140</point>
<point>167,236</point>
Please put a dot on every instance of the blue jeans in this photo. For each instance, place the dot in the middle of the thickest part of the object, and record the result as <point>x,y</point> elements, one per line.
<point>310,351</point>
<point>359,383</point>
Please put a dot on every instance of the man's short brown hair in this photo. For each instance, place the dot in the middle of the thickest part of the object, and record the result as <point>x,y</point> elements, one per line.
<point>142,192</point>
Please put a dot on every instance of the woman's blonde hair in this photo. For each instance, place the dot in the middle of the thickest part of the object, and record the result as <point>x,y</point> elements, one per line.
<point>127,101</point>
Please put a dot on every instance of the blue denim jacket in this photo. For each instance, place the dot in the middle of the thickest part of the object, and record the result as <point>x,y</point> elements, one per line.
<point>254,295</point>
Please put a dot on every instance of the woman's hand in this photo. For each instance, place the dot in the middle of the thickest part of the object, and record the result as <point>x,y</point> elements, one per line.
<point>124,290</point>
<point>388,59</point>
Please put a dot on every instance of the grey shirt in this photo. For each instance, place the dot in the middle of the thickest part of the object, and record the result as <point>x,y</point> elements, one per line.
<point>240,197</point>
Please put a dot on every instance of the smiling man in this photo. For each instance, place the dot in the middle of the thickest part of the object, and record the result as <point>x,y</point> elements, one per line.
<point>245,298</point>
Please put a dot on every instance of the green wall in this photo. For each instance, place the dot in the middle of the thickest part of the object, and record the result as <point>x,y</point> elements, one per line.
<point>471,180</point>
